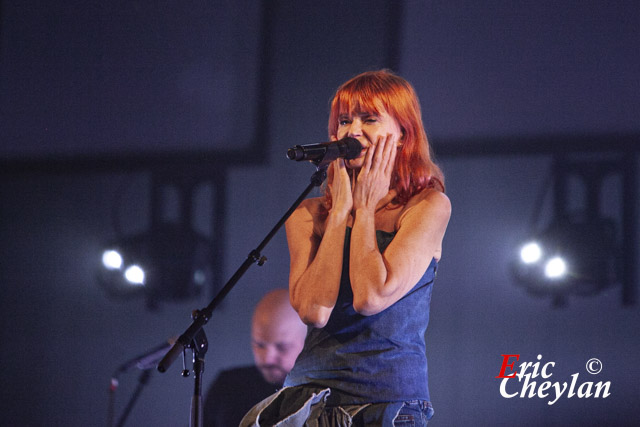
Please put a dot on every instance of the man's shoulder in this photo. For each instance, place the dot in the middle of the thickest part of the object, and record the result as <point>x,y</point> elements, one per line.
<point>239,373</point>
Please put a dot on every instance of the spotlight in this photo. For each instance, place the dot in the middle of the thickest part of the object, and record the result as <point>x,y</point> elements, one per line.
<point>169,263</point>
<point>555,268</point>
<point>134,275</point>
<point>530,253</point>
<point>112,260</point>
<point>572,256</point>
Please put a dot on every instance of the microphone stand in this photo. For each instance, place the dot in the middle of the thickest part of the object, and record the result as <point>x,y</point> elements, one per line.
<point>199,346</point>
<point>144,362</point>
<point>143,379</point>
<point>201,317</point>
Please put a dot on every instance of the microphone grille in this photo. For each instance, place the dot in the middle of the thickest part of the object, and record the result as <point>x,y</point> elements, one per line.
<point>354,148</point>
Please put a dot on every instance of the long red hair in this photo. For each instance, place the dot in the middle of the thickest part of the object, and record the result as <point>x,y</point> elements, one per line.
<point>415,169</point>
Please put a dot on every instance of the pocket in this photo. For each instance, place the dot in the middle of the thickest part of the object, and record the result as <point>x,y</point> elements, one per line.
<point>413,413</point>
<point>404,420</point>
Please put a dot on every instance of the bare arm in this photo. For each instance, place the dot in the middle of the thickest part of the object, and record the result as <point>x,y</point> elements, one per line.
<point>316,261</point>
<point>379,280</point>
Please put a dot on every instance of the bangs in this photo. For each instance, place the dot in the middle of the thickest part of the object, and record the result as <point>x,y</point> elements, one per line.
<point>359,100</point>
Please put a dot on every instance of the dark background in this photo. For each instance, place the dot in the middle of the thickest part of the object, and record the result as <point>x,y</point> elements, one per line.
<point>101,102</point>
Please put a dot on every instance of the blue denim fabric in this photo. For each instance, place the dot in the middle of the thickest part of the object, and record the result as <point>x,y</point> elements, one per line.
<point>369,359</point>
<point>414,413</point>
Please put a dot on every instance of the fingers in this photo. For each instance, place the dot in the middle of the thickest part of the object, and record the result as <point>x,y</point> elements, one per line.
<point>390,154</point>
<point>368,158</point>
<point>334,172</point>
<point>383,154</point>
<point>342,168</point>
<point>340,177</point>
<point>379,151</point>
<point>340,187</point>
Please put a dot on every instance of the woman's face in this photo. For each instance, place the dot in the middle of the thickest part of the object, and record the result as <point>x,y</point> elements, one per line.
<point>367,127</point>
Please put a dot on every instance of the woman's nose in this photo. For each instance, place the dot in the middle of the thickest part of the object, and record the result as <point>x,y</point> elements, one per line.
<point>355,129</point>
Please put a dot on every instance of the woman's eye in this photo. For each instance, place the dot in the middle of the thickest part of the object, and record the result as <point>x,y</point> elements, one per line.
<point>343,122</point>
<point>371,119</point>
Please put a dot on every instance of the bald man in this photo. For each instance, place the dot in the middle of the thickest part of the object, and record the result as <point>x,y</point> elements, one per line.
<point>277,337</point>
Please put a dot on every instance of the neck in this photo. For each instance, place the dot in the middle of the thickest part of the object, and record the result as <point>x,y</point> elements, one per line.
<point>386,200</point>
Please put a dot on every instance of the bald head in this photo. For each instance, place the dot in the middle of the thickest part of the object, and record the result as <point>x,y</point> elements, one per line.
<point>277,336</point>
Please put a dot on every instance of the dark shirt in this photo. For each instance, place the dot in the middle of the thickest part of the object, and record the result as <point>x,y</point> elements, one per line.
<point>232,394</point>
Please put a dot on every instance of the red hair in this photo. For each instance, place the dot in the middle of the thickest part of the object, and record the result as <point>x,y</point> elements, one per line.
<point>415,169</point>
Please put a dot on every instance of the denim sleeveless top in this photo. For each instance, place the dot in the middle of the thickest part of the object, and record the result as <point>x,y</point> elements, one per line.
<point>369,359</point>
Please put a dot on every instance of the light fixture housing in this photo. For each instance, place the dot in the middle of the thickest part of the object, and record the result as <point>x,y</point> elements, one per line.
<point>573,256</point>
<point>168,263</point>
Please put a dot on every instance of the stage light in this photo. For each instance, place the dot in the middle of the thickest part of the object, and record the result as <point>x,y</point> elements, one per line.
<point>169,263</point>
<point>112,260</point>
<point>572,256</point>
<point>530,253</point>
<point>555,268</point>
<point>582,251</point>
<point>134,275</point>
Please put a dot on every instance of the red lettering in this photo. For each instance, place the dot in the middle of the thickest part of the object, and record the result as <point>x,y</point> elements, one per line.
<point>505,365</point>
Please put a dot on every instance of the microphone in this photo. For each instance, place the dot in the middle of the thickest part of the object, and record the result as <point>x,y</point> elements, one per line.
<point>147,360</point>
<point>349,148</point>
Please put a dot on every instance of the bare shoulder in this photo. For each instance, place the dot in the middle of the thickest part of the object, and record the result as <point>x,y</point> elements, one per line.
<point>427,204</point>
<point>309,208</point>
<point>310,213</point>
<point>430,195</point>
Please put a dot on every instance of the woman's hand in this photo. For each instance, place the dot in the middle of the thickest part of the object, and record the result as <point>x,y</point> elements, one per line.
<point>340,189</point>
<point>374,178</point>
<point>316,249</point>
